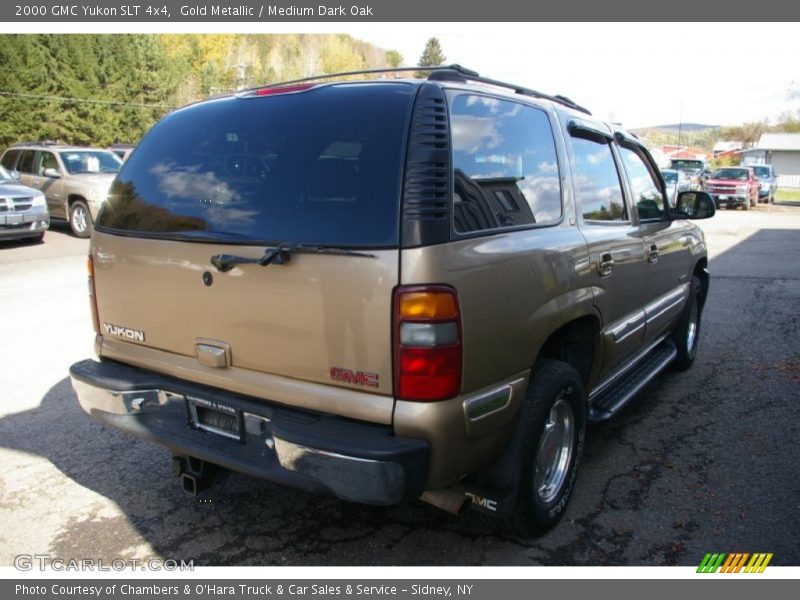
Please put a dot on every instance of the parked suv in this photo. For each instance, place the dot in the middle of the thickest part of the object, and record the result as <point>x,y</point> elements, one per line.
<point>734,186</point>
<point>23,211</point>
<point>767,182</point>
<point>694,168</point>
<point>74,180</point>
<point>389,290</point>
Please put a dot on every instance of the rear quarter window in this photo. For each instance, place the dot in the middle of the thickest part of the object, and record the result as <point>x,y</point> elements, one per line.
<point>322,166</point>
<point>505,168</point>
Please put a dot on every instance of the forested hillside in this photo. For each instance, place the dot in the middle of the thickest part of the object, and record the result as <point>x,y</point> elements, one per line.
<point>101,89</point>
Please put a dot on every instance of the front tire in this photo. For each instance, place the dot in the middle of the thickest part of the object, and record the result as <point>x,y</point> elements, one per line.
<point>687,334</point>
<point>80,219</point>
<point>555,429</point>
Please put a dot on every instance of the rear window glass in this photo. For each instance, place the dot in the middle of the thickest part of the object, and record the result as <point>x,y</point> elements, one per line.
<point>316,167</point>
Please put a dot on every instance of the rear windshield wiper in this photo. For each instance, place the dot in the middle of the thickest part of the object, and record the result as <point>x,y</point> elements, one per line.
<point>280,255</point>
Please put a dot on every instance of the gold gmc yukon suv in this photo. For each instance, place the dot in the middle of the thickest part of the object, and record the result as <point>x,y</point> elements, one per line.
<point>389,289</point>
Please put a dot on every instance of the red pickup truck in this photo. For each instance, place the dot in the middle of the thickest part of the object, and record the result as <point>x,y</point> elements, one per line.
<point>733,186</point>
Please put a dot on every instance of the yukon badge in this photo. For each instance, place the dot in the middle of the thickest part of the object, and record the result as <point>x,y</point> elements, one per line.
<point>124,332</point>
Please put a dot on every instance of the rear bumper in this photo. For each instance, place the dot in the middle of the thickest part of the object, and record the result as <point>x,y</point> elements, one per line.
<point>354,461</point>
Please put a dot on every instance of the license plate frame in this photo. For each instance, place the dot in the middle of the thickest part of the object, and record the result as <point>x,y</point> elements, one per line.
<point>213,417</point>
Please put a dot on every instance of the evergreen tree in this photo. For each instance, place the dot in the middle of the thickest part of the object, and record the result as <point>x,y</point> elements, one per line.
<point>432,56</point>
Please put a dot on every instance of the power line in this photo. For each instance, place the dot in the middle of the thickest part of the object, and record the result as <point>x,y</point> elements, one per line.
<point>86,100</point>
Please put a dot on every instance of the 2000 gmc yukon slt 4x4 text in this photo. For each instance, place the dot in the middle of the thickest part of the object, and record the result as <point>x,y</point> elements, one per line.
<point>389,289</point>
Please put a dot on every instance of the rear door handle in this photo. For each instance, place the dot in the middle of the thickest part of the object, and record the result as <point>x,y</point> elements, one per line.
<point>652,253</point>
<point>606,264</point>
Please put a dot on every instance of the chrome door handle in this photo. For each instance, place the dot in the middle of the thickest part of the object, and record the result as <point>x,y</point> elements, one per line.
<point>606,264</point>
<point>652,253</point>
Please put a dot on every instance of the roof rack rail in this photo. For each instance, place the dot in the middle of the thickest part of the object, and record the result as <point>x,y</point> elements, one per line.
<point>345,74</point>
<point>459,73</point>
<point>439,73</point>
<point>37,143</point>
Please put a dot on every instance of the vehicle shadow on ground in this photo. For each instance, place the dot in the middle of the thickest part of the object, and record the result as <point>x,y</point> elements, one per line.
<point>242,521</point>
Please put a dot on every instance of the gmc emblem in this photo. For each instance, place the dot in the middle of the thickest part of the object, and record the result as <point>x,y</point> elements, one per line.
<point>354,377</point>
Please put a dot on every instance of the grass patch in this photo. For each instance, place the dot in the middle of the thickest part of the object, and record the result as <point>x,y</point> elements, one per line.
<point>787,195</point>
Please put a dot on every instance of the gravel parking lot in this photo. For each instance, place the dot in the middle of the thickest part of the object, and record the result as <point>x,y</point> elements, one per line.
<point>703,461</point>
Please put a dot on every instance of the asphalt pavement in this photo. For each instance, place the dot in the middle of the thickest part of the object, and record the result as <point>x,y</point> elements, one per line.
<point>703,461</point>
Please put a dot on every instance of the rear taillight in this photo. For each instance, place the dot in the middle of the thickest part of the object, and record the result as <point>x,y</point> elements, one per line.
<point>427,352</point>
<point>93,295</point>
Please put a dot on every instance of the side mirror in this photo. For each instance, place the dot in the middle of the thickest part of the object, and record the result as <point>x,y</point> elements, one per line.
<point>695,205</point>
<point>14,174</point>
<point>51,172</point>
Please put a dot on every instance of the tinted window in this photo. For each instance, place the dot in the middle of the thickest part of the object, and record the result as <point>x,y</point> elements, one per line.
<point>25,164</point>
<point>316,167</point>
<point>597,181</point>
<point>9,158</point>
<point>645,187</point>
<point>670,176</point>
<point>505,169</point>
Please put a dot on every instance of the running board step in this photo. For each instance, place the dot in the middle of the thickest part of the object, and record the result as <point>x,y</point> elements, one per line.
<point>608,402</point>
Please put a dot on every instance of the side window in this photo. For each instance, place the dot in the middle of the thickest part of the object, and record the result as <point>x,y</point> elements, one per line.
<point>505,170</point>
<point>9,159</point>
<point>45,160</point>
<point>25,164</point>
<point>646,190</point>
<point>598,187</point>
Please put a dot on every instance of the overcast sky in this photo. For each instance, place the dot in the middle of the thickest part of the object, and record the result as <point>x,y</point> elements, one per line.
<point>636,74</point>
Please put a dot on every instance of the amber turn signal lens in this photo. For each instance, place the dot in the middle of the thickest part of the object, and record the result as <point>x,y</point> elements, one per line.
<point>428,305</point>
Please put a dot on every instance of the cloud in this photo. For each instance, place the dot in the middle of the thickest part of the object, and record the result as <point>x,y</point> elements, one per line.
<point>472,134</point>
<point>191,184</point>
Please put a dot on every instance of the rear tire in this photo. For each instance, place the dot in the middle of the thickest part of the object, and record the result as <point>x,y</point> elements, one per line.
<point>687,334</point>
<point>555,429</point>
<point>80,219</point>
